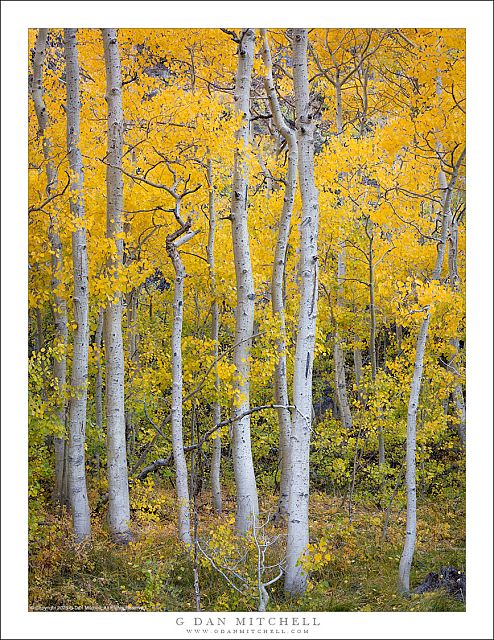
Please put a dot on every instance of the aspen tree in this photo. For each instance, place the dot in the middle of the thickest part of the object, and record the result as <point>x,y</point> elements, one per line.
<point>372,337</point>
<point>338,354</point>
<point>78,401</point>
<point>298,518</point>
<point>413,402</point>
<point>245,481</point>
<point>118,486</point>
<point>216,455</point>
<point>173,241</point>
<point>98,383</point>
<point>59,304</point>
<point>98,387</point>
<point>346,63</point>
<point>132,341</point>
<point>278,276</point>
<point>454,283</point>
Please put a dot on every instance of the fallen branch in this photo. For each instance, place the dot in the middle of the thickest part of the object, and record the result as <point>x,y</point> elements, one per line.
<point>165,462</point>
<point>190,395</point>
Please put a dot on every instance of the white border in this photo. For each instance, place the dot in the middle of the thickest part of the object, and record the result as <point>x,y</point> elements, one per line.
<point>17,18</point>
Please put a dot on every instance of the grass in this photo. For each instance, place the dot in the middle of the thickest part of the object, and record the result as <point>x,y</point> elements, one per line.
<point>154,573</point>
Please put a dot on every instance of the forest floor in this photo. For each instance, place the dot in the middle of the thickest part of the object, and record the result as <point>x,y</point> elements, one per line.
<point>154,573</point>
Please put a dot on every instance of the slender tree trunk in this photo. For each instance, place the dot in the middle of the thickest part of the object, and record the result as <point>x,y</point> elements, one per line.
<point>245,481</point>
<point>461,409</point>
<point>372,341</point>
<point>181,475</point>
<point>118,486</point>
<point>298,520</point>
<point>78,402</point>
<point>98,387</point>
<point>372,311</point>
<point>278,279</point>
<point>216,455</point>
<point>65,480</point>
<point>454,278</point>
<point>59,304</point>
<point>339,107</point>
<point>338,354</point>
<point>455,283</point>
<point>357,364</point>
<point>410,477</point>
<point>132,332</point>
<point>410,460</point>
<point>98,392</point>
<point>132,342</point>
<point>365,103</point>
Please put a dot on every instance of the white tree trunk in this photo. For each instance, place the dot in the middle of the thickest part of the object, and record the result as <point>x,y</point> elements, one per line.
<point>278,279</point>
<point>372,340</point>
<point>118,486</point>
<point>78,402</point>
<point>339,108</point>
<point>245,481</point>
<point>59,304</point>
<point>338,354</point>
<point>132,346</point>
<point>132,332</point>
<point>181,475</point>
<point>455,283</point>
<point>216,454</point>
<point>411,523</point>
<point>65,482</point>
<point>298,520</point>
<point>98,391</point>
<point>357,364</point>
<point>458,396</point>
<point>410,460</point>
<point>461,409</point>
<point>98,386</point>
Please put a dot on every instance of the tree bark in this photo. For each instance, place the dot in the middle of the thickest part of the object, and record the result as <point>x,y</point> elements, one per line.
<point>461,409</point>
<point>98,387</point>
<point>455,284</point>
<point>298,520</point>
<point>372,340</point>
<point>339,106</point>
<point>339,356</point>
<point>357,364</point>
<point>59,304</point>
<point>278,278</point>
<point>216,455</point>
<point>132,346</point>
<point>98,391</point>
<point>245,481</point>
<point>410,460</point>
<point>118,486</point>
<point>181,475</point>
<point>78,402</point>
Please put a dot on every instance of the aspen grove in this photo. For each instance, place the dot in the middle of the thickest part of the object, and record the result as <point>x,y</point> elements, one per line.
<point>246,319</point>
